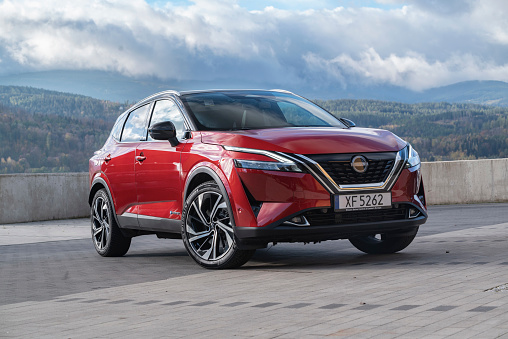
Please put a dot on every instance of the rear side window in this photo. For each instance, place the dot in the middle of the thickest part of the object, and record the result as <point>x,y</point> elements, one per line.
<point>135,126</point>
<point>117,129</point>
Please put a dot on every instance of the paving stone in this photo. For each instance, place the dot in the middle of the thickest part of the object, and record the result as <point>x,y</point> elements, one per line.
<point>299,305</point>
<point>238,303</point>
<point>204,303</point>
<point>264,305</point>
<point>148,302</point>
<point>122,301</point>
<point>173,303</point>
<point>332,306</point>
<point>366,307</point>
<point>404,307</point>
<point>482,309</point>
<point>93,300</point>
<point>442,308</point>
<point>68,300</point>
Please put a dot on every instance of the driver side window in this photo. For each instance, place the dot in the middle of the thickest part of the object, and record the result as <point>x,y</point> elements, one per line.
<point>167,110</point>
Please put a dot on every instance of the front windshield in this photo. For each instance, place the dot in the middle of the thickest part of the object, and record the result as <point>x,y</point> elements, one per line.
<point>240,110</point>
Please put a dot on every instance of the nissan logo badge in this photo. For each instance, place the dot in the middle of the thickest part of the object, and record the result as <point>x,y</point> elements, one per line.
<point>359,164</point>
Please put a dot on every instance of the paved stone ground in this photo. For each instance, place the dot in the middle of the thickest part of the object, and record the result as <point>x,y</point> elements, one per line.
<point>442,286</point>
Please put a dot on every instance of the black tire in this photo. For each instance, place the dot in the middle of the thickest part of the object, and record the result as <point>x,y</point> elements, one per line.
<point>208,229</point>
<point>382,243</point>
<point>106,236</point>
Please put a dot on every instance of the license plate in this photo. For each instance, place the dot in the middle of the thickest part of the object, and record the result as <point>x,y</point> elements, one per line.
<point>367,201</point>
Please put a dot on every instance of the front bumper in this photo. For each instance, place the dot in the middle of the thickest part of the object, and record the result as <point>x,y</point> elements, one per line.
<point>320,230</point>
<point>279,199</point>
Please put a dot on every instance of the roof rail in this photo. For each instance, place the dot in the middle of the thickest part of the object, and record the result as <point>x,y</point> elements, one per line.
<point>160,93</point>
<point>282,90</point>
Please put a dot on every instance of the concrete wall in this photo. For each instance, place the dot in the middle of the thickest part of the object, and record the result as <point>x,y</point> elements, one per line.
<point>35,197</point>
<point>466,181</point>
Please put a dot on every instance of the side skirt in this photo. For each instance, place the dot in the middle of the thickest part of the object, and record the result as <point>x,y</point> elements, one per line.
<point>148,223</point>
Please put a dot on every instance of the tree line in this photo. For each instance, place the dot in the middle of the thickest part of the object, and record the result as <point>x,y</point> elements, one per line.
<point>439,131</point>
<point>47,131</point>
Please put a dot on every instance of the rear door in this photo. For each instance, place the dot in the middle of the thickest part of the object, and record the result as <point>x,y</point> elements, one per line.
<point>119,165</point>
<point>158,170</point>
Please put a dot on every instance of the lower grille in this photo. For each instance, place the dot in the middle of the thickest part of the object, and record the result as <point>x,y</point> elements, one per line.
<point>318,218</point>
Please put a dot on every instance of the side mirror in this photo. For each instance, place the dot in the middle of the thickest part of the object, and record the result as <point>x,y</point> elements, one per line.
<point>347,122</point>
<point>164,131</point>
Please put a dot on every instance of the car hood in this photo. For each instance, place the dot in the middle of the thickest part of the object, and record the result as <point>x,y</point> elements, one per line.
<point>309,140</point>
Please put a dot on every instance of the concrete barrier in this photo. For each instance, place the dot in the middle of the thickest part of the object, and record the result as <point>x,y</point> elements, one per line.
<point>466,181</point>
<point>37,197</point>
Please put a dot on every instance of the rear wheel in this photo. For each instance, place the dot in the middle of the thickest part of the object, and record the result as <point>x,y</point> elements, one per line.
<point>382,243</point>
<point>107,237</point>
<point>207,229</point>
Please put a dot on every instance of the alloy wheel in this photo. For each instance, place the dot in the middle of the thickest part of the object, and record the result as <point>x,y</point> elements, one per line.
<point>208,226</point>
<point>101,226</point>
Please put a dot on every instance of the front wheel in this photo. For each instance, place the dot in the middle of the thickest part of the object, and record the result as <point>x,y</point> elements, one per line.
<point>207,229</point>
<point>382,243</point>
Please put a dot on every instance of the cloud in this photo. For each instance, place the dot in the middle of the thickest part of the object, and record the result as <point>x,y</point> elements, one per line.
<point>411,71</point>
<point>417,45</point>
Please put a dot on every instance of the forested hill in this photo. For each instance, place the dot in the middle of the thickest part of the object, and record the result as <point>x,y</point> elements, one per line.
<point>48,143</point>
<point>439,131</point>
<point>46,131</point>
<point>41,101</point>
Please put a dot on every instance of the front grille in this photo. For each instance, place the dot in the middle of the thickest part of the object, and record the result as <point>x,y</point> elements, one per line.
<point>338,167</point>
<point>318,218</point>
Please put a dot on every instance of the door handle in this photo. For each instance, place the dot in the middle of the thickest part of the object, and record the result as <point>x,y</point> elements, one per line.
<point>140,158</point>
<point>107,158</point>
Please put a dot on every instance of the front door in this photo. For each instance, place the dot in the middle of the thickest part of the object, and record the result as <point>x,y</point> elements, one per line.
<point>158,170</point>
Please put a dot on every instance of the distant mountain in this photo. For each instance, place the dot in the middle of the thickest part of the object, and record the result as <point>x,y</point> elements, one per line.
<point>111,86</point>
<point>46,102</point>
<point>494,93</point>
<point>119,88</point>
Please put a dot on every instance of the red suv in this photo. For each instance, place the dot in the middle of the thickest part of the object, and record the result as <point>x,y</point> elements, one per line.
<point>231,171</point>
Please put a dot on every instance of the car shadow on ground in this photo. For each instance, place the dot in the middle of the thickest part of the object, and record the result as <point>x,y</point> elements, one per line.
<point>292,256</point>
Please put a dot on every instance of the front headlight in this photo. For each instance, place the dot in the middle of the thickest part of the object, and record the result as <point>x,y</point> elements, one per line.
<point>413,158</point>
<point>283,163</point>
<point>267,165</point>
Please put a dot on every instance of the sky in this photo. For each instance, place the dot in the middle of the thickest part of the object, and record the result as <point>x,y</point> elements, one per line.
<point>415,44</point>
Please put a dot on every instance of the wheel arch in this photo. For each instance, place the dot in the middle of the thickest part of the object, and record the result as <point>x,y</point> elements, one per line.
<point>203,174</point>
<point>97,184</point>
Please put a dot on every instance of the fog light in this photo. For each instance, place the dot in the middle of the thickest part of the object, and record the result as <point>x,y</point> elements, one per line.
<point>299,220</point>
<point>413,213</point>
